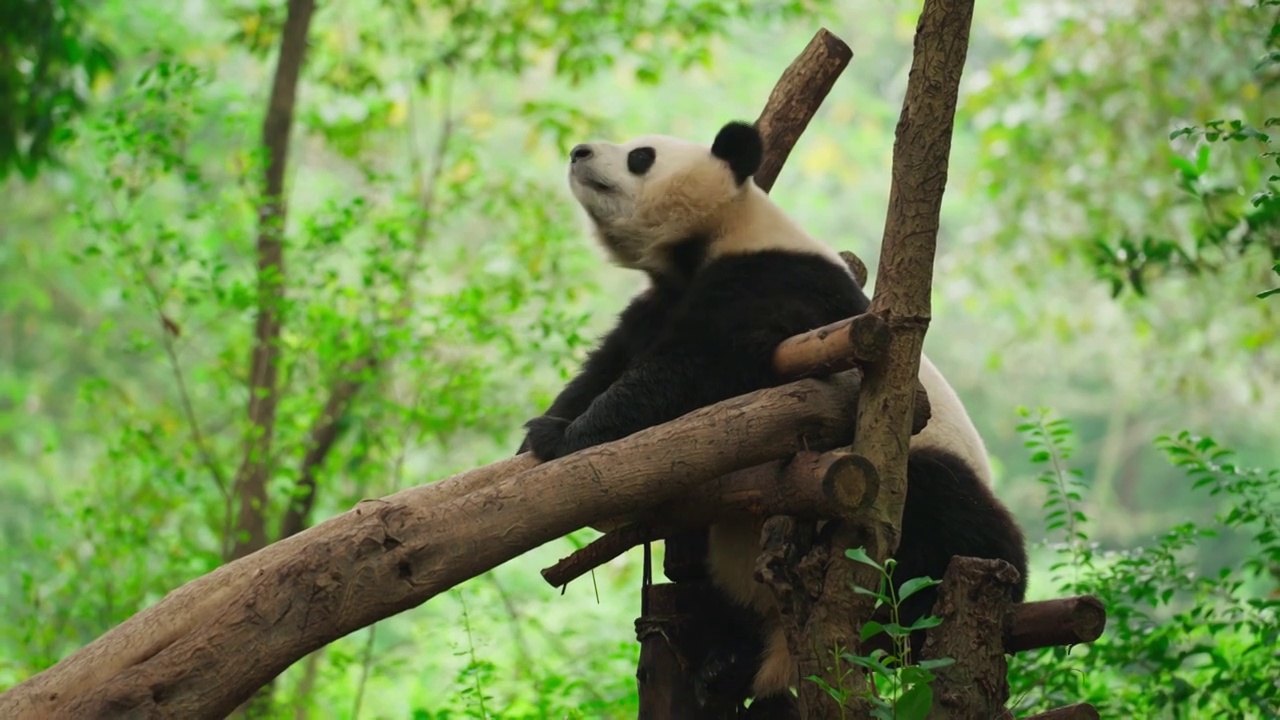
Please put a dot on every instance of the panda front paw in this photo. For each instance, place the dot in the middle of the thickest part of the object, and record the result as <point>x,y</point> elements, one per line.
<point>546,438</point>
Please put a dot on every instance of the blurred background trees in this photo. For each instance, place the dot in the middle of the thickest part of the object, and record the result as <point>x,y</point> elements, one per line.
<point>1111,220</point>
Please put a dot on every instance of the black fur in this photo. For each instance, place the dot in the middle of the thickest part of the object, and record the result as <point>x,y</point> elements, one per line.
<point>740,145</point>
<point>682,347</point>
<point>702,336</point>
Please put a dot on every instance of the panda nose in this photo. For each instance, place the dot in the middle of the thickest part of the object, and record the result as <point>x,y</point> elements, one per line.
<point>579,152</point>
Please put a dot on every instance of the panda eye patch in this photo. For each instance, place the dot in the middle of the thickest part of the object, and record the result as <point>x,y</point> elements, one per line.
<point>640,160</point>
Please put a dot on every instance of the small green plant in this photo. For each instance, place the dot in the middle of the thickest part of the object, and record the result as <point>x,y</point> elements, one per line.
<point>900,688</point>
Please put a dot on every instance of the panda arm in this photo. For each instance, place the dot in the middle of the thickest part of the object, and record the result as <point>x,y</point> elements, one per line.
<point>653,390</point>
<point>606,363</point>
<point>720,344</point>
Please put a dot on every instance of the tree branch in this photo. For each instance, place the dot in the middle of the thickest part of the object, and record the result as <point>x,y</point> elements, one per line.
<point>806,485</point>
<point>795,98</point>
<point>251,479</point>
<point>1051,623</point>
<point>920,155</point>
<point>320,440</point>
<point>209,644</point>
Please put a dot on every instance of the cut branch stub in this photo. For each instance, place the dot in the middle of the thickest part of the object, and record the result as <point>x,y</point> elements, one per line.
<point>849,480</point>
<point>859,340</point>
<point>795,98</point>
<point>856,266</point>
<point>1053,623</point>
<point>973,604</point>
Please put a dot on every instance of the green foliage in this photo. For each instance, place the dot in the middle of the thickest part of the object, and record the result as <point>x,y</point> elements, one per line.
<point>1178,643</point>
<point>1221,207</point>
<point>900,688</point>
<point>52,57</point>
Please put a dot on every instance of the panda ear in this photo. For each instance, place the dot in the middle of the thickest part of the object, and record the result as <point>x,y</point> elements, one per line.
<point>740,145</point>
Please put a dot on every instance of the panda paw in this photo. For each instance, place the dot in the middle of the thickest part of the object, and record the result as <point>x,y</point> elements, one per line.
<point>546,438</point>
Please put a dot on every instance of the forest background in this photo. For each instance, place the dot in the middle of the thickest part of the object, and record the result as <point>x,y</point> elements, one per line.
<point>1110,231</point>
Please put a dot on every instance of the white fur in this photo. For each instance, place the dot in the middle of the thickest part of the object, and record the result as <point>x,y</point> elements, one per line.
<point>686,192</point>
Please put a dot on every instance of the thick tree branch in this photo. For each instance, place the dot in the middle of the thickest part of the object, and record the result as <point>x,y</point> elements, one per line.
<point>1051,623</point>
<point>251,479</point>
<point>209,644</point>
<point>973,604</point>
<point>920,154</point>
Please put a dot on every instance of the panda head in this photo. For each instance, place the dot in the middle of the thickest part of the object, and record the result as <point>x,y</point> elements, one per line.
<point>649,194</point>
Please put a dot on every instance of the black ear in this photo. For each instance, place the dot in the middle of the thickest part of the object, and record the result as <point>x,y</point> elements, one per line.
<point>740,145</point>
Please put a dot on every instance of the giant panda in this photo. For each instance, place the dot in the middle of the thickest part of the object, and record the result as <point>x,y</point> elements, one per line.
<point>731,276</point>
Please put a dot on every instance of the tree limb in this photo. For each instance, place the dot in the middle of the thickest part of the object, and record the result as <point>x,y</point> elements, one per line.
<point>1050,623</point>
<point>251,479</point>
<point>920,154</point>
<point>973,604</point>
<point>795,98</point>
<point>806,485</point>
<point>210,644</point>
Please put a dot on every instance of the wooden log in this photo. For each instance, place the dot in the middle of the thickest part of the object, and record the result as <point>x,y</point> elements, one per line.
<point>674,640</point>
<point>973,604</point>
<point>1051,623</point>
<point>807,485</point>
<point>795,99</point>
<point>904,274</point>
<point>199,655</point>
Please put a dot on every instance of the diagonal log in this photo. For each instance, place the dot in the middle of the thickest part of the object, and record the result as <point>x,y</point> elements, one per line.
<point>207,646</point>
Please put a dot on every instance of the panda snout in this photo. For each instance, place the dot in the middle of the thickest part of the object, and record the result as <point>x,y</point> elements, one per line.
<point>580,152</point>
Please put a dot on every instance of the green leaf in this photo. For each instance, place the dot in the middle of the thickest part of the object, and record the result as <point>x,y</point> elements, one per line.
<point>915,703</point>
<point>924,623</point>
<point>860,555</point>
<point>915,585</point>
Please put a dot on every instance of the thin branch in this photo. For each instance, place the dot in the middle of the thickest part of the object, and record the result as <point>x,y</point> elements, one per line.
<point>320,440</point>
<point>168,329</point>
